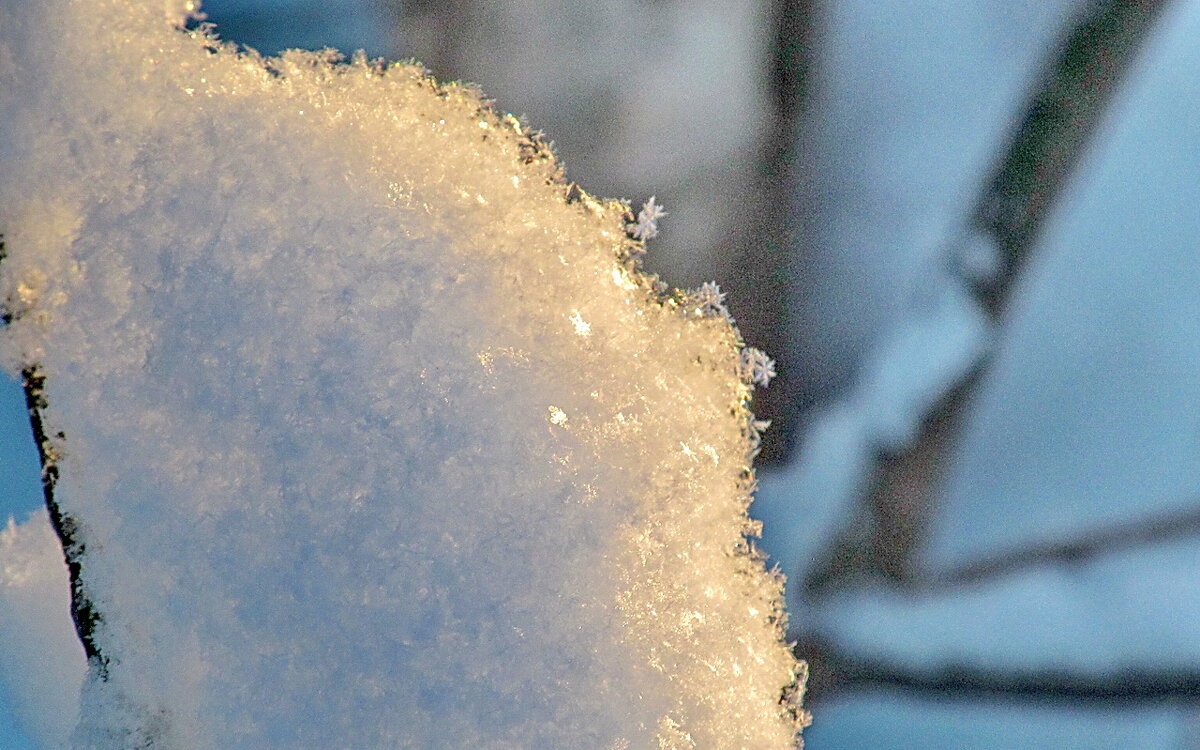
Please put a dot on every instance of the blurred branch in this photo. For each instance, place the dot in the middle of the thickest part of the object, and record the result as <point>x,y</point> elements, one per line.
<point>1059,123</point>
<point>831,672</point>
<point>759,271</point>
<point>1122,536</point>
<point>898,503</point>
<point>1070,100</point>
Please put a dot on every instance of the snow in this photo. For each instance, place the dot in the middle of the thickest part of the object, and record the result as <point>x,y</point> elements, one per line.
<point>374,439</point>
<point>1085,422</point>
<point>646,226</point>
<point>666,97</point>
<point>41,660</point>
<point>1087,416</point>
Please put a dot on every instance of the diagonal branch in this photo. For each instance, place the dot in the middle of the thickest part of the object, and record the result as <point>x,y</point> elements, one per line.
<point>1179,524</point>
<point>1059,123</point>
<point>1011,210</point>
<point>83,611</point>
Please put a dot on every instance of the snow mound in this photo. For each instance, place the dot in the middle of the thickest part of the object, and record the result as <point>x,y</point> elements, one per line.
<point>375,435</point>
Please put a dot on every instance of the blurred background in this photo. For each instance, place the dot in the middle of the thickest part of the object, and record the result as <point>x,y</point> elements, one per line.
<point>968,232</point>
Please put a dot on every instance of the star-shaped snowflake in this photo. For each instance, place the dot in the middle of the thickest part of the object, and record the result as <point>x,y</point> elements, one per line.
<point>646,226</point>
<point>756,366</point>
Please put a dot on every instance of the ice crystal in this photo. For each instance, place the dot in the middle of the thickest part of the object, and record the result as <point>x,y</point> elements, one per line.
<point>708,300</point>
<point>756,367</point>
<point>646,226</point>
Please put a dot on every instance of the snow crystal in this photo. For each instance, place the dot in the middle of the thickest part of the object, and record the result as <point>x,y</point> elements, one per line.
<point>708,300</point>
<point>374,439</point>
<point>756,367</point>
<point>646,226</point>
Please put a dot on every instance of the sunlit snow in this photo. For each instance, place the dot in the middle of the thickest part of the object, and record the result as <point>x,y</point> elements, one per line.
<point>374,432</point>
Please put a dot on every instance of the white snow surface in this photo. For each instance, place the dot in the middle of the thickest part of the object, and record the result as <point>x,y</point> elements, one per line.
<point>374,439</point>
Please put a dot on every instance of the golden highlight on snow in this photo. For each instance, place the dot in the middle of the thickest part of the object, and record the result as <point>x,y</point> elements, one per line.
<point>374,435</point>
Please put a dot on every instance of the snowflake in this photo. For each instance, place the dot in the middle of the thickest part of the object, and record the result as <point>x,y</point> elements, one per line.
<point>646,226</point>
<point>709,300</point>
<point>756,367</point>
<point>756,428</point>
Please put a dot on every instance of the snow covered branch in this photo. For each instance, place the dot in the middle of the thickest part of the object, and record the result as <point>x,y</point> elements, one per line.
<point>1069,102</point>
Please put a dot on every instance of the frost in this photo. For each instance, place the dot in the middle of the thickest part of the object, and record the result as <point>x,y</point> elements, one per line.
<point>756,367</point>
<point>646,226</point>
<point>364,445</point>
<point>708,300</point>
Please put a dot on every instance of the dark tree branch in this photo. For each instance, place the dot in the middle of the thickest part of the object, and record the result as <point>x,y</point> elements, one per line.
<point>1071,99</point>
<point>898,504</point>
<point>1166,527</point>
<point>1059,123</point>
<point>83,610</point>
<point>758,272</point>
<point>832,672</point>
